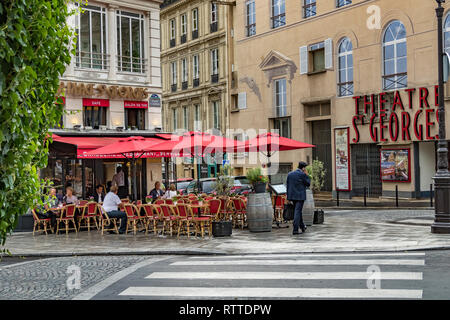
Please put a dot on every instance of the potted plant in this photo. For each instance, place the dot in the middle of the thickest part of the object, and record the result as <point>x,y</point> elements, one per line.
<point>91,199</point>
<point>257,179</point>
<point>148,199</point>
<point>222,188</point>
<point>316,172</point>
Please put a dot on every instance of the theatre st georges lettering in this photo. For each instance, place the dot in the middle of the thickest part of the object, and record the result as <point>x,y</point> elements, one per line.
<point>112,92</point>
<point>399,121</point>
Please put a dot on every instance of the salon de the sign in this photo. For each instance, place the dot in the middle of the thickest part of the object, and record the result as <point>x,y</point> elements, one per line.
<point>112,92</point>
<point>389,117</point>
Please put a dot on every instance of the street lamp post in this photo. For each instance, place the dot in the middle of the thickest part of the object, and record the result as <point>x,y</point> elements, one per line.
<point>442,178</point>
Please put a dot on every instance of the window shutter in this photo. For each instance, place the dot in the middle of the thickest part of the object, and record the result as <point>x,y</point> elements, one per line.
<point>304,60</point>
<point>242,100</point>
<point>328,54</point>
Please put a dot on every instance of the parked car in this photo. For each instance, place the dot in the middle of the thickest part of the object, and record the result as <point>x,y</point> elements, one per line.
<point>205,185</point>
<point>241,185</point>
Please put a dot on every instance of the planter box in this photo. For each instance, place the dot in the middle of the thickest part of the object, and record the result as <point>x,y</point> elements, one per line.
<point>25,223</point>
<point>222,228</point>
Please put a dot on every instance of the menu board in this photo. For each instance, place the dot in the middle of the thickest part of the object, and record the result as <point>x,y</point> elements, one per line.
<point>342,142</point>
<point>395,165</point>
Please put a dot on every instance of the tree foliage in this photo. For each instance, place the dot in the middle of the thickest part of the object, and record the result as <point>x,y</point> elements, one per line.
<point>316,172</point>
<point>35,49</point>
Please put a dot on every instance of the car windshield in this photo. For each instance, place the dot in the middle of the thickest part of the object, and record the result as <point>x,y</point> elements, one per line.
<point>182,185</point>
<point>208,186</point>
<point>243,180</point>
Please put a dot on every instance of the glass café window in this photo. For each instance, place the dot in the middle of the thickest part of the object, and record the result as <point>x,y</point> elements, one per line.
<point>91,48</point>
<point>135,118</point>
<point>94,117</point>
<point>280,97</point>
<point>130,42</point>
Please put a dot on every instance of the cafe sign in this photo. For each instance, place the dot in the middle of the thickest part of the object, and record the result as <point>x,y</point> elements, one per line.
<point>112,92</point>
<point>397,119</point>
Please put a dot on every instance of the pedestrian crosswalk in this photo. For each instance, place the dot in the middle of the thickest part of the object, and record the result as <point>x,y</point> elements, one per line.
<point>284,276</point>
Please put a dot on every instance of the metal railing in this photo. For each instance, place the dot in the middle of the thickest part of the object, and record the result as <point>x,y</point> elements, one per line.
<point>91,60</point>
<point>131,64</point>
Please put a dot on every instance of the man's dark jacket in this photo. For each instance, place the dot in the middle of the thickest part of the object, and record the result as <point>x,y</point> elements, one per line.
<point>297,182</point>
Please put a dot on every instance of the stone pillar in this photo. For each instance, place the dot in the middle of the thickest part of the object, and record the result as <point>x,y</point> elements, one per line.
<point>112,42</point>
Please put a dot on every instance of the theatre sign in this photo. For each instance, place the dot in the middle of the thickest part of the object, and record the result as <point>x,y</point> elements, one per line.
<point>100,90</point>
<point>402,115</point>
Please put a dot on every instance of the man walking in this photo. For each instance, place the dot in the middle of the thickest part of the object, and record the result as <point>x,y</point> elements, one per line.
<point>111,204</point>
<point>297,182</point>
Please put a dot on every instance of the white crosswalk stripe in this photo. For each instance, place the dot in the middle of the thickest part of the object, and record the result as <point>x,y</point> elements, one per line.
<point>288,276</point>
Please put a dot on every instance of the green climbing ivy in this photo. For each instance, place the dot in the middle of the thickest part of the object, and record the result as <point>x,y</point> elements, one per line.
<point>35,49</point>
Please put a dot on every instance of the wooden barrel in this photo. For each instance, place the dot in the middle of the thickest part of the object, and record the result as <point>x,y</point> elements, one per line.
<point>259,212</point>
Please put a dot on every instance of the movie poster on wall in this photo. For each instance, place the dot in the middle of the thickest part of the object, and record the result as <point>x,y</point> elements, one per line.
<point>395,165</point>
<point>341,140</point>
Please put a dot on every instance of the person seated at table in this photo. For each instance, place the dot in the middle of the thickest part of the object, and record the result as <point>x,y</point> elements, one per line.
<point>70,198</point>
<point>172,192</point>
<point>99,195</point>
<point>111,205</point>
<point>51,202</point>
<point>156,193</point>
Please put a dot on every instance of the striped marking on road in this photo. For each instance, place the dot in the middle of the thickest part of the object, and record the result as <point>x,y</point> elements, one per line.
<point>299,255</point>
<point>285,275</point>
<point>408,262</point>
<point>197,292</point>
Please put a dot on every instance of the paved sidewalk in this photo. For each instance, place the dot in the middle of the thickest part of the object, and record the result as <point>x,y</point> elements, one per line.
<point>343,231</point>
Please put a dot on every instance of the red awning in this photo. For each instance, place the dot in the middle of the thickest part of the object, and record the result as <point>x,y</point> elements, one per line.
<point>87,144</point>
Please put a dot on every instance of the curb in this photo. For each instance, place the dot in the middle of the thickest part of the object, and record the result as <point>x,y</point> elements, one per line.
<point>221,253</point>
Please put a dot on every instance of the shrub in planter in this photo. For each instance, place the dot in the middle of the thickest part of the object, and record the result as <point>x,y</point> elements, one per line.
<point>257,179</point>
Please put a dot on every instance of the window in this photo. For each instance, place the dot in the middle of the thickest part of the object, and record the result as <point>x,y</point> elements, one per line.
<point>283,126</point>
<point>213,25</point>
<point>183,24</point>
<point>94,117</point>
<point>197,118</point>
<point>278,13</point>
<point>195,19</point>
<point>309,8</point>
<point>251,18</point>
<point>174,119</point>
<point>195,23</point>
<point>185,118</point>
<point>215,65</point>
<point>216,115</point>
<point>130,44</point>
<point>317,55</point>
<point>135,118</point>
<point>213,13</point>
<point>195,67</point>
<point>183,28</point>
<point>447,34</point>
<point>91,48</point>
<point>184,73</point>
<point>173,75</point>
<point>280,97</point>
<point>341,3</point>
<point>173,32</point>
<point>394,56</point>
<point>345,60</point>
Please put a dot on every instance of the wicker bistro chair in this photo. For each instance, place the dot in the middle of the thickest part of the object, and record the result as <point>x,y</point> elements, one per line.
<point>214,209</point>
<point>201,223</point>
<point>38,222</point>
<point>107,223</point>
<point>225,208</point>
<point>83,203</point>
<point>133,218</point>
<point>278,202</point>
<point>168,201</point>
<point>90,212</point>
<point>152,217</point>
<point>159,201</point>
<point>239,212</point>
<point>169,218</point>
<point>67,216</point>
<point>184,219</point>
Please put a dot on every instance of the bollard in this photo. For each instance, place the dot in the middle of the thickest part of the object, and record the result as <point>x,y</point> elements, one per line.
<point>365,196</point>
<point>396,196</point>
<point>337,197</point>
<point>431,195</point>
